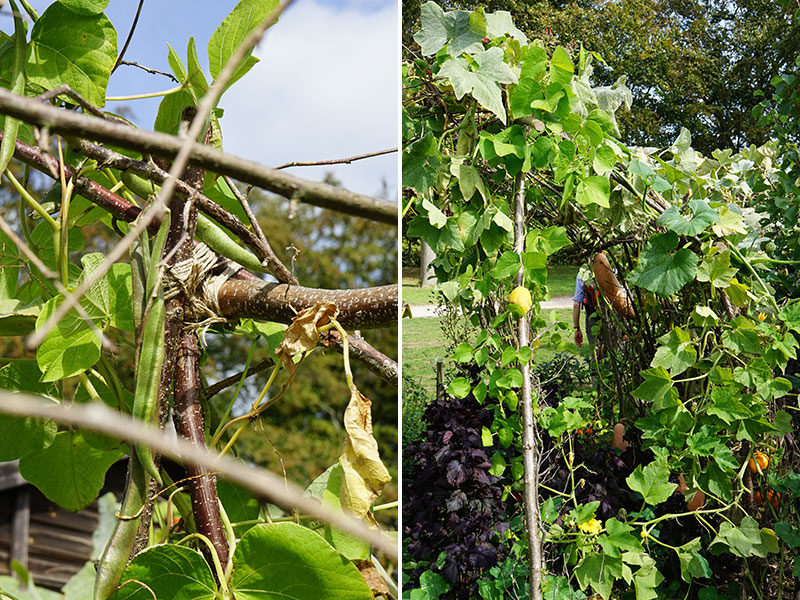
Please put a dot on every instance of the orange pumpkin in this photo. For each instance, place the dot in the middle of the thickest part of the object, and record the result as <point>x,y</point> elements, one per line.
<point>772,496</point>
<point>759,462</point>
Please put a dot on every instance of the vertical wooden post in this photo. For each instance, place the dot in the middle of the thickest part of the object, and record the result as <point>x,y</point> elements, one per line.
<point>530,453</point>
<point>439,379</point>
<point>21,526</point>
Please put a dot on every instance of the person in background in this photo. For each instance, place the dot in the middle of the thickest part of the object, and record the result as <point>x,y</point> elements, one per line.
<point>586,297</point>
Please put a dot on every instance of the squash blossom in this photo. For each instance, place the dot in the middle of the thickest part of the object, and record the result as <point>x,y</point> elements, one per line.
<point>762,316</point>
<point>593,526</point>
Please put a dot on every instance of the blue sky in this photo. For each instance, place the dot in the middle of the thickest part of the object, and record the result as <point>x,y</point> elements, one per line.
<point>326,86</point>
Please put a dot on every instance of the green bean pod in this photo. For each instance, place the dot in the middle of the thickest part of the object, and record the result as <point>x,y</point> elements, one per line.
<point>148,378</point>
<point>220,242</point>
<point>139,185</point>
<point>118,549</point>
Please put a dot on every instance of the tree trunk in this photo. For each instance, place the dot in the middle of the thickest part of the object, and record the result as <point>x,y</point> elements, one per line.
<point>426,275</point>
<point>530,451</point>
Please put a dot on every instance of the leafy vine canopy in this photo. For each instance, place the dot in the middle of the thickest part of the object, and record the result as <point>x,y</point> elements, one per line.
<point>702,370</point>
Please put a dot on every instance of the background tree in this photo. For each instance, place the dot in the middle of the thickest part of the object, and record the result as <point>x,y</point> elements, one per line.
<point>689,63</point>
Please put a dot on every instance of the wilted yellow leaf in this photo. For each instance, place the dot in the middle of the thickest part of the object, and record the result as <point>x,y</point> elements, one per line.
<point>302,334</point>
<point>364,475</point>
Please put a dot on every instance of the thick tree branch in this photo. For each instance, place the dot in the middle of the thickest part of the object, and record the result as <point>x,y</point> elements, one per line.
<point>188,418</point>
<point>319,194</point>
<point>376,361</point>
<point>365,308</point>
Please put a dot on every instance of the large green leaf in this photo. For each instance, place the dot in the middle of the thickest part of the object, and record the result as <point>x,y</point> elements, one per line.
<point>16,317</point>
<point>421,161</point>
<point>699,216</point>
<point>85,7</point>
<point>290,562</point>
<point>326,488</point>
<point>676,353</point>
<point>484,83</point>
<point>652,482</point>
<point>593,190</point>
<point>693,564</point>
<point>455,29</point>
<point>72,346</point>
<point>69,471</point>
<point>745,540</point>
<point>71,49</point>
<point>561,67</point>
<point>170,110</point>
<point>717,269</point>
<point>659,270</point>
<point>174,572</point>
<point>22,435</point>
<point>232,31</point>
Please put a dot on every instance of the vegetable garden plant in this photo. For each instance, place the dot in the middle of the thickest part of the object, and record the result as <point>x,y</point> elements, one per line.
<point>511,153</point>
<point>184,261</point>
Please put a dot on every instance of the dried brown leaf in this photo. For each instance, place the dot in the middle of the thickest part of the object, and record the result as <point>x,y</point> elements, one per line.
<point>372,578</point>
<point>364,475</point>
<point>302,334</point>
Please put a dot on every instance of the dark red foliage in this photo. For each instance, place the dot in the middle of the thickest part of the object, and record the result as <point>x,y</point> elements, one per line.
<point>451,503</point>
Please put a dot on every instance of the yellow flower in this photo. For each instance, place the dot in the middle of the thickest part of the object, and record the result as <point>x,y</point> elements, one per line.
<point>762,316</point>
<point>593,526</point>
<point>644,534</point>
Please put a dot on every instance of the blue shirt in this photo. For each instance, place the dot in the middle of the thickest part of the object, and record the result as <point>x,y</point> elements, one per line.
<point>579,295</point>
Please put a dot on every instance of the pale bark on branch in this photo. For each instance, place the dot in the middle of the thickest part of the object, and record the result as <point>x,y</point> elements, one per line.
<point>365,308</point>
<point>70,123</point>
<point>264,484</point>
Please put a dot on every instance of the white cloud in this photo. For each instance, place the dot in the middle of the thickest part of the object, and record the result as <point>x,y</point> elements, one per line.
<point>326,87</point>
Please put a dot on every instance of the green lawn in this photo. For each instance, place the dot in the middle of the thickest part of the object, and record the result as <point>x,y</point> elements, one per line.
<point>560,280</point>
<point>424,342</point>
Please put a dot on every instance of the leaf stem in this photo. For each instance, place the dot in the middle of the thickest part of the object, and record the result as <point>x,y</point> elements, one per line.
<point>32,201</point>
<point>142,96</point>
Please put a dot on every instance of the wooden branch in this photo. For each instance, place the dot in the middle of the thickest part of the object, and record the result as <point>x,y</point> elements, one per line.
<point>264,484</point>
<point>335,161</point>
<point>376,361</point>
<point>188,418</point>
<point>70,123</point>
<point>216,388</point>
<point>365,308</point>
<point>115,205</point>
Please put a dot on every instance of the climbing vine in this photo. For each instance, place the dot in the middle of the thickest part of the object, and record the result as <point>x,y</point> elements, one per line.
<point>640,483</point>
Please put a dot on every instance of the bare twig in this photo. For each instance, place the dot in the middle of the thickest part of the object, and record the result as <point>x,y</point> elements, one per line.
<point>335,161</point>
<point>215,389</point>
<point>65,90</point>
<point>149,70</point>
<point>376,361</point>
<point>242,198</point>
<point>129,38</point>
<point>160,144</point>
<point>262,483</point>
